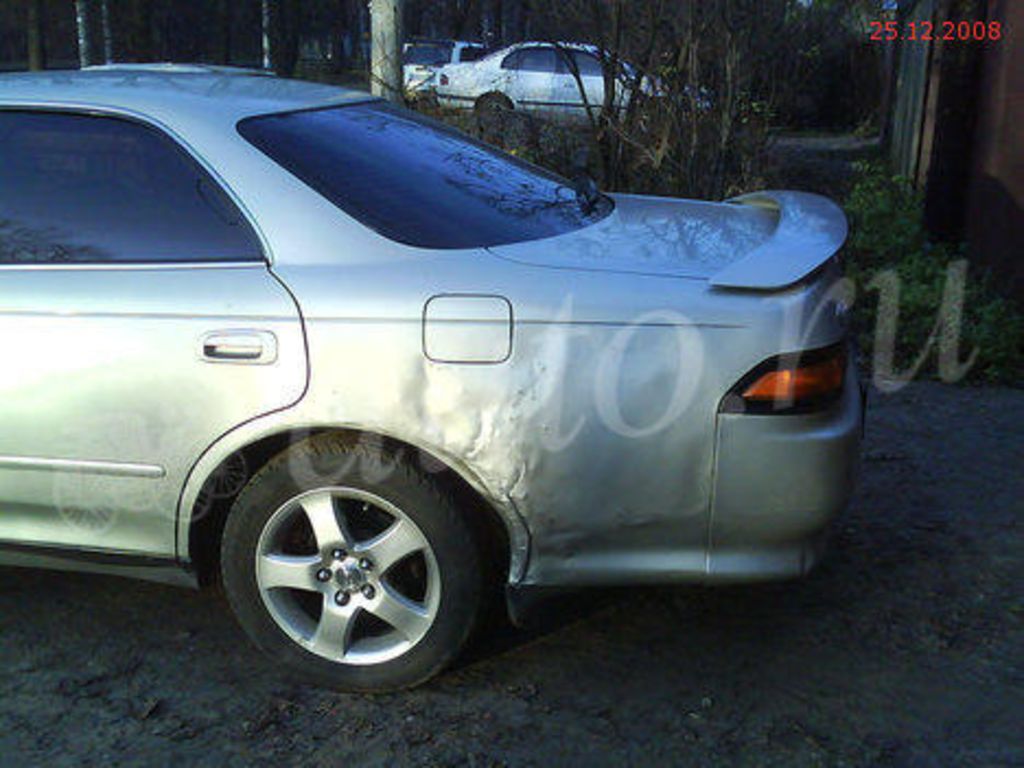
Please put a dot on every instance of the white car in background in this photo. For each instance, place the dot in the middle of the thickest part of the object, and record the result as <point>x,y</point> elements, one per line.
<point>422,58</point>
<point>534,77</point>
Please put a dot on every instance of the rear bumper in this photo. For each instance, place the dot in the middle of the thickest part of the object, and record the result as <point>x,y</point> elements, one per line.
<point>779,481</point>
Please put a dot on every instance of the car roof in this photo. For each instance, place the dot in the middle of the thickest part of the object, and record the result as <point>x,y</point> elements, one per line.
<point>588,47</point>
<point>175,94</point>
<point>583,47</point>
<point>440,41</point>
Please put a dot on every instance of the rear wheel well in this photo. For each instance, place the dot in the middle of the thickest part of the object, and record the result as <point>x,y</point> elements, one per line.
<point>221,488</point>
<point>493,100</point>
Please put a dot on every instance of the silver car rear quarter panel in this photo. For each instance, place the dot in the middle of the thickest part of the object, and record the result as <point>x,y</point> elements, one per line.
<point>595,439</point>
<point>565,437</point>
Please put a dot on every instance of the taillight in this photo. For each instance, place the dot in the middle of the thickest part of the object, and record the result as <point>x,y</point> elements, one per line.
<point>792,383</point>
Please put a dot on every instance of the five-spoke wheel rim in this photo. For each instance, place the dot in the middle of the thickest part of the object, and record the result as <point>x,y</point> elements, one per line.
<point>348,575</point>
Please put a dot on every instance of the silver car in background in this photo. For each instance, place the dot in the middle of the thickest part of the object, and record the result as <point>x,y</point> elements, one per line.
<point>368,372</point>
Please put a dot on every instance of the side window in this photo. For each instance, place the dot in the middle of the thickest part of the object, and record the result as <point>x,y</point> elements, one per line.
<point>472,53</point>
<point>94,190</point>
<point>512,60</point>
<point>531,60</point>
<point>588,64</point>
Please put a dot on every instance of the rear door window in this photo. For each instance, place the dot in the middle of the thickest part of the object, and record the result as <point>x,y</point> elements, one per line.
<point>88,189</point>
<point>587,64</point>
<point>417,181</point>
<point>472,53</point>
<point>532,60</point>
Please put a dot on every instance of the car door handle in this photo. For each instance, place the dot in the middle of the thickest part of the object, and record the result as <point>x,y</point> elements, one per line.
<point>252,347</point>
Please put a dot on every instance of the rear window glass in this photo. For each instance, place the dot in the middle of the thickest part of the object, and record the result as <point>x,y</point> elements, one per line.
<point>427,54</point>
<point>417,181</point>
<point>472,53</point>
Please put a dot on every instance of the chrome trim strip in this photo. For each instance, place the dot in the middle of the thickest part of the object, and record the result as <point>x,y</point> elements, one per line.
<point>110,468</point>
<point>145,316</point>
<point>131,266</point>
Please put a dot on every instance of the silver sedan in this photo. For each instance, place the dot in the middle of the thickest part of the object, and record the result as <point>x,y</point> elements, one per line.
<point>370,373</point>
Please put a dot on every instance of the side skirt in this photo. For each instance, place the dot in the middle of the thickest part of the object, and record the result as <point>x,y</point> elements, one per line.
<point>164,570</point>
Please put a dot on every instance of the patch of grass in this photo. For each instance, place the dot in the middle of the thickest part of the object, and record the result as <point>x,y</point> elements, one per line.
<point>888,247</point>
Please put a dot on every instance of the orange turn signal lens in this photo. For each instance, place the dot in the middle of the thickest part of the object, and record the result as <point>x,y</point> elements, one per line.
<point>818,380</point>
<point>791,383</point>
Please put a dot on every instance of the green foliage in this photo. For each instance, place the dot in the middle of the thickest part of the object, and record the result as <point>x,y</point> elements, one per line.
<point>888,237</point>
<point>885,214</point>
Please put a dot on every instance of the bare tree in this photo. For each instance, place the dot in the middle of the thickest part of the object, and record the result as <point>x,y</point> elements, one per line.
<point>687,88</point>
<point>108,40</point>
<point>36,37</point>
<point>489,26</point>
<point>512,21</point>
<point>224,22</point>
<point>265,26</point>
<point>280,22</point>
<point>82,15</point>
<point>386,78</point>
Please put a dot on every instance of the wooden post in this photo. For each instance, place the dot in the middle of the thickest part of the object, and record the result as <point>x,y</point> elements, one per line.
<point>386,78</point>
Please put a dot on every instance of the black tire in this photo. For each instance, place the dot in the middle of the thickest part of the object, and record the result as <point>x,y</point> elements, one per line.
<point>333,461</point>
<point>493,105</point>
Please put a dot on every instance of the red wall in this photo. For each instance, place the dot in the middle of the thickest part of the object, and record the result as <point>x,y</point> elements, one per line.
<point>995,222</point>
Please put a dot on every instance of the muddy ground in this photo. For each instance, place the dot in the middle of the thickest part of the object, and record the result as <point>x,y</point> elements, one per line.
<point>903,648</point>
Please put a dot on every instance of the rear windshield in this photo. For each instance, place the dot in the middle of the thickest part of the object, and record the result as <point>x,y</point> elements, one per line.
<point>417,181</point>
<point>429,54</point>
<point>472,53</point>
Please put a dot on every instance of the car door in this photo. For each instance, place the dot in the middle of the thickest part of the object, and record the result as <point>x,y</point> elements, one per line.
<point>531,81</point>
<point>139,322</point>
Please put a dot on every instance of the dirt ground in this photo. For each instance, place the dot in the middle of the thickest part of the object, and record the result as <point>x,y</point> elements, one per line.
<point>904,648</point>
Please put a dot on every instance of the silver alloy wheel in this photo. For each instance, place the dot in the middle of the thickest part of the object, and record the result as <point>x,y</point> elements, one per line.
<point>348,575</point>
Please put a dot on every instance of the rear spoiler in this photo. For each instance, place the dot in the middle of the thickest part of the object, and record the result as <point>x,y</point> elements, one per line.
<point>809,232</point>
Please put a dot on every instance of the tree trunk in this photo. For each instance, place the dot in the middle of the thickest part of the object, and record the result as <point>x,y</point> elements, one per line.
<point>265,25</point>
<point>458,18</point>
<point>136,31</point>
<point>386,49</point>
<point>338,32</point>
<point>511,21</point>
<point>36,36</point>
<point>489,22</point>
<point>224,18</point>
<point>108,40</point>
<point>84,34</point>
<point>284,36</point>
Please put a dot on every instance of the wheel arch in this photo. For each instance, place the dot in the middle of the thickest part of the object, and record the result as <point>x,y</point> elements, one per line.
<point>494,94</point>
<point>205,501</point>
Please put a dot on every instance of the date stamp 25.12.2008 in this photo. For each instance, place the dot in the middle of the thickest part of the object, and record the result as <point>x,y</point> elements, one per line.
<point>927,31</point>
